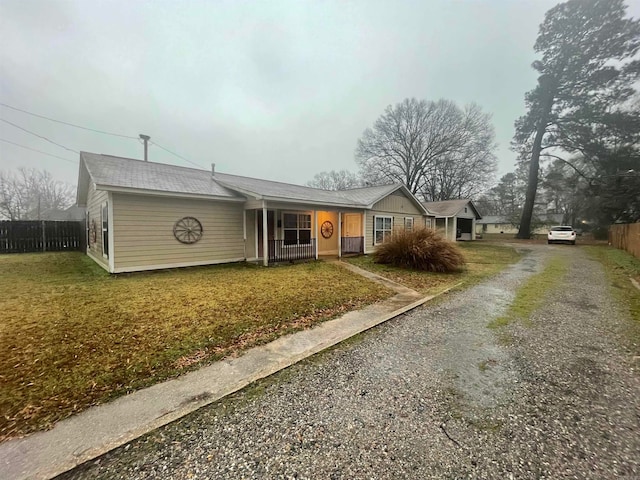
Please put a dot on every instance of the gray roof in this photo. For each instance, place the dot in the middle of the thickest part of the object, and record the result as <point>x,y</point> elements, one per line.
<point>450,208</point>
<point>370,195</point>
<point>109,172</point>
<point>282,191</point>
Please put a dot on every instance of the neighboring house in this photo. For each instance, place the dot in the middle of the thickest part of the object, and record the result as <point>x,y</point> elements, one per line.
<point>145,216</point>
<point>71,214</point>
<point>456,219</point>
<point>500,225</point>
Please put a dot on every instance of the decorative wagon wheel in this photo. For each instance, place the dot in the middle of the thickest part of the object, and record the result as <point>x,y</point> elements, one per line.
<point>327,229</point>
<point>187,230</point>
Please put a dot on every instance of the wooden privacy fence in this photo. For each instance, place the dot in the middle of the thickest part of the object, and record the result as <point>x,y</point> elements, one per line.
<point>626,236</point>
<point>21,236</point>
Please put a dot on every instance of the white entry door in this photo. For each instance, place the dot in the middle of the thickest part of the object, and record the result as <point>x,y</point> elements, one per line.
<point>352,225</point>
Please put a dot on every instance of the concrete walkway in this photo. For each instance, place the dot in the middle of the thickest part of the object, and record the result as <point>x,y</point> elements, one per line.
<point>96,431</point>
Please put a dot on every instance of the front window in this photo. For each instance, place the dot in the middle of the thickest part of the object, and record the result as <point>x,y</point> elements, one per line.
<point>408,224</point>
<point>105,230</point>
<point>383,228</point>
<point>297,228</point>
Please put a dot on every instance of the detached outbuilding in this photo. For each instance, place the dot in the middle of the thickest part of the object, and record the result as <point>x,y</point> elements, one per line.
<point>145,215</point>
<point>455,219</point>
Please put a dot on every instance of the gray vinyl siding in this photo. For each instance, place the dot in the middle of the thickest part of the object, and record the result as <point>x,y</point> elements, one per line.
<point>143,232</point>
<point>398,203</point>
<point>95,199</point>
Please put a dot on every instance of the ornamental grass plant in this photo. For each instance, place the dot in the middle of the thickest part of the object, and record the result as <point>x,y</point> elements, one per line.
<point>420,249</point>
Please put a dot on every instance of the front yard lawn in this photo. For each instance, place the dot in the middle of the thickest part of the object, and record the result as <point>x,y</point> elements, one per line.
<point>72,336</point>
<point>482,260</point>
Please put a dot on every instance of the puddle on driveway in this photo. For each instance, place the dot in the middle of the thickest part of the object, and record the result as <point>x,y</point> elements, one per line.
<point>479,366</point>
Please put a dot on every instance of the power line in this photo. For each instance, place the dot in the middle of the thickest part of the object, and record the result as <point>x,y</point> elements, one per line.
<point>39,136</point>
<point>179,156</point>
<point>35,150</point>
<point>67,123</point>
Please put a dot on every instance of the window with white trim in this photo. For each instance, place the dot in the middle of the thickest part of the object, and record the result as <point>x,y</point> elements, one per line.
<point>428,223</point>
<point>382,229</point>
<point>105,230</point>
<point>408,224</point>
<point>296,228</point>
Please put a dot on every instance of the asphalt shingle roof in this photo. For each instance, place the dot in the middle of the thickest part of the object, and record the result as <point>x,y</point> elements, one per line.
<point>287,191</point>
<point>129,173</point>
<point>446,208</point>
<point>110,171</point>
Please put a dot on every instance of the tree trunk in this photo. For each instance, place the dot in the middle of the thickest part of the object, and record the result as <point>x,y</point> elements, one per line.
<point>532,184</point>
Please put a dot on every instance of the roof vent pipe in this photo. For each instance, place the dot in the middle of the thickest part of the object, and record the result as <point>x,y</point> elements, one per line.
<point>213,169</point>
<point>145,139</point>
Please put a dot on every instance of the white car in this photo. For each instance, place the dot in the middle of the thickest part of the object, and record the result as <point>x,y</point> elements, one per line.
<point>562,233</point>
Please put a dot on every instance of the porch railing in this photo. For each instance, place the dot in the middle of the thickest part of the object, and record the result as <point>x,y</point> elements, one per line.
<point>279,252</point>
<point>352,244</point>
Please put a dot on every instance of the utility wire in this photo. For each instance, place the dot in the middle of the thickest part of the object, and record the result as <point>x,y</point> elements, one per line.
<point>39,136</point>
<point>83,128</point>
<point>39,151</point>
<point>67,123</point>
<point>179,156</point>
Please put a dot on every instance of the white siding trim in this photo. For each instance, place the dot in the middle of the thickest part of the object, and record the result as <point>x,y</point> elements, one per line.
<point>339,234</point>
<point>110,233</point>
<point>176,265</point>
<point>265,236</point>
<point>315,223</point>
<point>244,232</point>
<point>364,232</point>
<point>100,262</point>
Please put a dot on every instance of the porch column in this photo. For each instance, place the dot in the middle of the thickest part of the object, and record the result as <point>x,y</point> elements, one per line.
<point>265,236</point>
<point>339,234</point>
<point>315,226</point>
<point>446,228</point>
<point>455,229</point>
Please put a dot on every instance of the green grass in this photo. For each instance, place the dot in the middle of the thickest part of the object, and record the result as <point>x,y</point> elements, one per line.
<point>530,296</point>
<point>72,336</point>
<point>620,266</point>
<point>482,260</point>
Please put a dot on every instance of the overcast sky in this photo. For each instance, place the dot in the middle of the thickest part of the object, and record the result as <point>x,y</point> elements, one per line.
<point>272,89</point>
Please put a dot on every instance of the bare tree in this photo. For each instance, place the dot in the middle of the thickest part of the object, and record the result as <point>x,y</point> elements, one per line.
<point>28,191</point>
<point>334,180</point>
<point>436,149</point>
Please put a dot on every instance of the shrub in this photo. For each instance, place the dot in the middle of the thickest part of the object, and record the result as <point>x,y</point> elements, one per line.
<point>421,249</point>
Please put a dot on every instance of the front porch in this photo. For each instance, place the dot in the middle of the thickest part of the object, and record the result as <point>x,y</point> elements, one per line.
<point>301,233</point>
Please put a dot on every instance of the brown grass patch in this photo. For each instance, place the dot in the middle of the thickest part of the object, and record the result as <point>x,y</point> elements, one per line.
<point>72,336</point>
<point>482,260</point>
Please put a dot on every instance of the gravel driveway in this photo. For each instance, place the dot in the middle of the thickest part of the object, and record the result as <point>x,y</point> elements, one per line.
<point>431,394</point>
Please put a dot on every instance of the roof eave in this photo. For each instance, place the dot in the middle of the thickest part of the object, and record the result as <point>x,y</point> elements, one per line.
<point>313,202</point>
<point>165,193</point>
